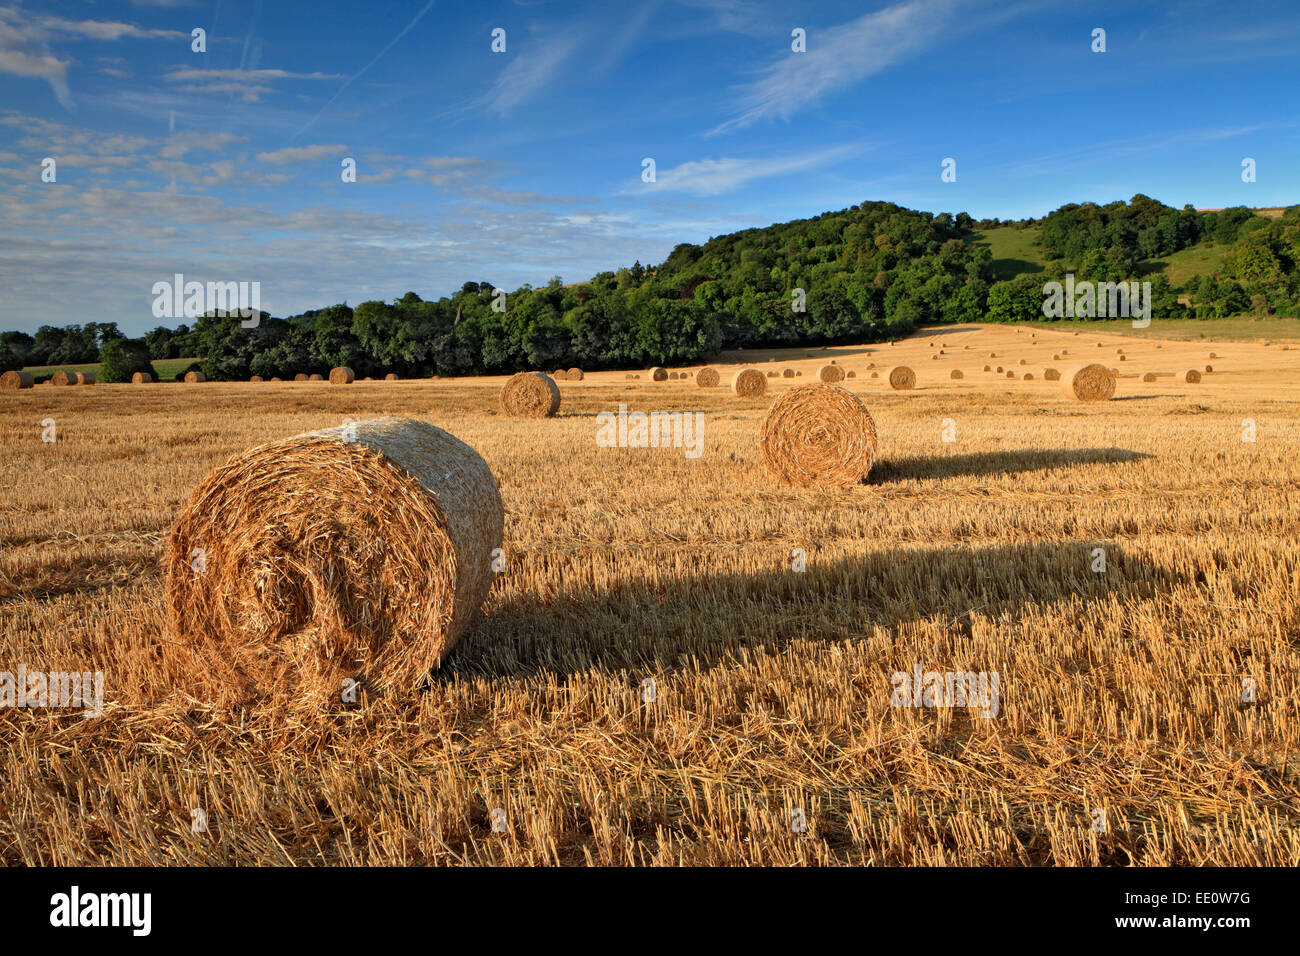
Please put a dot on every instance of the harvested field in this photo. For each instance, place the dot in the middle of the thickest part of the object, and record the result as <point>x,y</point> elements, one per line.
<point>652,682</point>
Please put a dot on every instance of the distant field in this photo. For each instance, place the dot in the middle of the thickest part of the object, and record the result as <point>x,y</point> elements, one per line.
<point>1203,259</point>
<point>1236,329</point>
<point>166,368</point>
<point>1014,250</point>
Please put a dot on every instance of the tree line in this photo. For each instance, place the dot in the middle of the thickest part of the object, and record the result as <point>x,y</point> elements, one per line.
<point>863,274</point>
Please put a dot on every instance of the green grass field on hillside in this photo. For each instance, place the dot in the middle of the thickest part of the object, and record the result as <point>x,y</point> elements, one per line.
<point>166,368</point>
<point>1015,252</point>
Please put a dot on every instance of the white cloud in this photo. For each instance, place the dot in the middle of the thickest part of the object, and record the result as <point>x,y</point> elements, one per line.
<point>107,30</point>
<point>709,177</point>
<point>840,56</point>
<point>532,70</point>
<point>302,154</point>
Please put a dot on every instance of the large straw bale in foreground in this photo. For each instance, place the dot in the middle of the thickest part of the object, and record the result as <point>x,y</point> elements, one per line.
<point>830,374</point>
<point>342,375</point>
<point>355,552</point>
<point>818,434</point>
<point>1092,382</point>
<point>707,377</point>
<point>530,395</point>
<point>900,377</point>
<point>15,380</point>
<point>749,383</point>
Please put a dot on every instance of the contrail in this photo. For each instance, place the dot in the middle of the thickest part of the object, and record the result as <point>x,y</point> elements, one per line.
<point>348,82</point>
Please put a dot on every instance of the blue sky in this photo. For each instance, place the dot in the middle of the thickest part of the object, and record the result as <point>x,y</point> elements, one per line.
<point>513,167</point>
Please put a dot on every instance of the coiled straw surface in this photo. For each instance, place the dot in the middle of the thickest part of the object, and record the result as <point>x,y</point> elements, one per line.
<point>818,434</point>
<point>1088,383</point>
<point>356,552</point>
<point>530,395</point>
<point>900,377</point>
<point>749,383</point>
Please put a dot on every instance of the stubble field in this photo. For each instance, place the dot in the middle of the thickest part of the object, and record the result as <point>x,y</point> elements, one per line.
<point>1147,712</point>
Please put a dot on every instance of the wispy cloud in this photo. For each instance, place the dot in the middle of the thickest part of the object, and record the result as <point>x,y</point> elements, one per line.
<point>107,30</point>
<point>250,84</point>
<point>840,56</point>
<point>710,177</point>
<point>532,69</point>
<point>24,52</point>
<point>302,154</point>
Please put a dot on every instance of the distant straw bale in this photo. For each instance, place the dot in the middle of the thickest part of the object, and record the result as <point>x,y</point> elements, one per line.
<point>530,395</point>
<point>1088,383</point>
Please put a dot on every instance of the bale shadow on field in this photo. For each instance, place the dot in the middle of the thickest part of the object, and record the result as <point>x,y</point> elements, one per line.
<point>647,625</point>
<point>995,462</point>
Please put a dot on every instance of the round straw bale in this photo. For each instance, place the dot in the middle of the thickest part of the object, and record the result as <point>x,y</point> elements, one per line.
<point>749,383</point>
<point>850,374</point>
<point>144,378</point>
<point>575,375</point>
<point>14,380</point>
<point>798,373</point>
<point>1028,377</point>
<point>1051,375</point>
<point>192,377</point>
<point>63,378</point>
<point>1088,383</point>
<point>1212,355</point>
<point>788,373</point>
<point>530,395</point>
<point>993,355</point>
<point>1149,377</point>
<point>658,374</point>
<point>956,373</point>
<point>818,434</point>
<point>560,375</point>
<point>875,375</point>
<point>275,378</point>
<point>707,377</point>
<point>342,375</point>
<point>900,377</point>
<point>988,368</point>
<point>1209,368</point>
<point>355,552</point>
<point>771,374</point>
<point>1010,374</point>
<point>830,374</point>
<point>85,378</point>
<point>1123,358</point>
<point>390,377</point>
<point>300,377</point>
<point>252,378</point>
<point>673,376</point>
<point>315,377</point>
<point>999,370</point>
<point>1023,362</point>
<point>1191,376</point>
